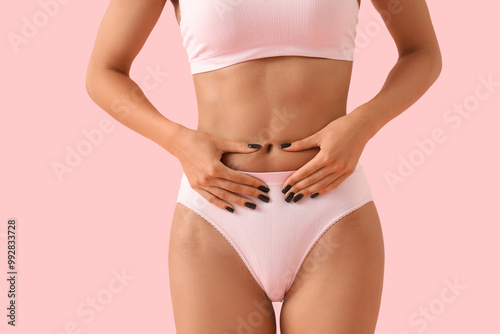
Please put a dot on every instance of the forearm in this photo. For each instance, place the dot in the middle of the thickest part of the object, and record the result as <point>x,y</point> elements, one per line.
<point>407,81</point>
<point>118,95</point>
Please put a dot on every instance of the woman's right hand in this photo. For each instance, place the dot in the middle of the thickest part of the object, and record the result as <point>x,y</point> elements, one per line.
<point>200,155</point>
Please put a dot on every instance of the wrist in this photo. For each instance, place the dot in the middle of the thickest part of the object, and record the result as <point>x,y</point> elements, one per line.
<point>174,136</point>
<point>365,121</point>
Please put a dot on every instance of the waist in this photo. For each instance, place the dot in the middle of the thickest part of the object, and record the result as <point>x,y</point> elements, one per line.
<point>269,102</point>
<point>270,158</point>
<point>270,130</point>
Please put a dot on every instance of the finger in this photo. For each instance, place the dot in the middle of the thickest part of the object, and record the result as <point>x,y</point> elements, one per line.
<point>302,144</point>
<point>243,189</point>
<point>222,172</point>
<point>332,185</point>
<point>237,146</point>
<point>309,168</point>
<point>311,179</point>
<point>243,178</point>
<point>215,200</point>
<point>313,188</point>
<point>232,197</point>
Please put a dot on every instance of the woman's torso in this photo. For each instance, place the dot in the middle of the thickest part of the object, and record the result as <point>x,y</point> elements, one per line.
<point>270,101</point>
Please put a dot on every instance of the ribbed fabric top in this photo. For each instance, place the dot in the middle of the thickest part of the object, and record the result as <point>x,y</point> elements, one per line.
<point>220,33</point>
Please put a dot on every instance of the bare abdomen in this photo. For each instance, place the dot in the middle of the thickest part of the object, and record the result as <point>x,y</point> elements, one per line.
<point>272,101</point>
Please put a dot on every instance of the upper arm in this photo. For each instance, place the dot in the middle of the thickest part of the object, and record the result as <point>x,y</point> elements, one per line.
<point>123,32</point>
<point>409,24</point>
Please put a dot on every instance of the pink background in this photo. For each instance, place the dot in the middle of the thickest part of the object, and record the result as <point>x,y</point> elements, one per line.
<point>112,212</point>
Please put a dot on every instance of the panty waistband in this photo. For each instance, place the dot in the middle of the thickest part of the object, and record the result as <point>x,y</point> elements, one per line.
<point>270,177</point>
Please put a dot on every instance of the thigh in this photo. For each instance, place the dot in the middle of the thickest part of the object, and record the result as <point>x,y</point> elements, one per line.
<point>339,285</point>
<point>212,290</point>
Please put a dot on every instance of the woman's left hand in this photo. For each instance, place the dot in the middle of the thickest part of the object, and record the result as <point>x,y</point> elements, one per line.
<point>341,143</point>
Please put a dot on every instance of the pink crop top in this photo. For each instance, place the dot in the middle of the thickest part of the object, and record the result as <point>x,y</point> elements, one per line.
<point>219,33</point>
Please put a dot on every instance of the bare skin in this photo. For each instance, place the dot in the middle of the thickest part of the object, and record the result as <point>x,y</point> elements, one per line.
<point>269,101</point>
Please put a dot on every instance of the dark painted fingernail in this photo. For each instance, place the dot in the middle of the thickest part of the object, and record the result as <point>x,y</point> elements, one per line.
<point>230,209</point>
<point>285,145</point>
<point>289,197</point>
<point>286,189</point>
<point>314,195</point>
<point>250,205</point>
<point>264,189</point>
<point>263,198</point>
<point>254,146</point>
<point>298,197</point>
